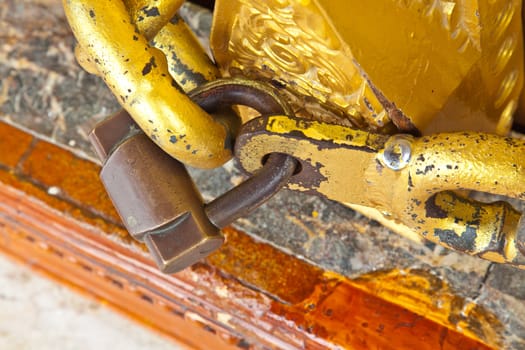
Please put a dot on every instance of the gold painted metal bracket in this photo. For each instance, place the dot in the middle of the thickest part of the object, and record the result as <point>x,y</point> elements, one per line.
<point>410,181</point>
<point>114,39</point>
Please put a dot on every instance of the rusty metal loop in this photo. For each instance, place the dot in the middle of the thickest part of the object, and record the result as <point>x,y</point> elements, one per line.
<point>220,93</point>
<point>277,170</point>
<point>252,193</point>
<point>218,96</point>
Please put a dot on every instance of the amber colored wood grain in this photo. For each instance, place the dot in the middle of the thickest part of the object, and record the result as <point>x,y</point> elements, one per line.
<point>247,295</point>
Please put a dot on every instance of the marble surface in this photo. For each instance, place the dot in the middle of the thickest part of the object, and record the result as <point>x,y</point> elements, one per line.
<point>36,313</point>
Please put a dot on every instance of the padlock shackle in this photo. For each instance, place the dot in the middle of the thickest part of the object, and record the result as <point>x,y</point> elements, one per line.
<point>252,193</point>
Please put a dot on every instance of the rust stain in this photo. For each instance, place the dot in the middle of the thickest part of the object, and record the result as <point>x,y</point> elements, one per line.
<point>35,167</point>
<point>351,318</point>
<point>426,294</point>
<point>67,209</point>
<point>381,310</point>
<point>266,268</point>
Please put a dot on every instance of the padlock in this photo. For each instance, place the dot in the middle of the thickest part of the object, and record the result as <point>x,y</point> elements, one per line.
<point>154,195</point>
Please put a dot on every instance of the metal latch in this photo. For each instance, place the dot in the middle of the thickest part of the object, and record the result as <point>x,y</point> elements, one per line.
<point>417,184</point>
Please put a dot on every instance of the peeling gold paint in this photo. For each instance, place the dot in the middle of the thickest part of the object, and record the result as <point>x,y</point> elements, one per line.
<point>345,166</point>
<point>138,76</point>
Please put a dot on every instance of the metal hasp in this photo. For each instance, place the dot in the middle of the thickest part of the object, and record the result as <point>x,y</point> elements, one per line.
<point>417,184</point>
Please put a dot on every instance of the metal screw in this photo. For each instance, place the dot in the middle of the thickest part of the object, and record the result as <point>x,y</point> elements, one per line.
<point>397,152</point>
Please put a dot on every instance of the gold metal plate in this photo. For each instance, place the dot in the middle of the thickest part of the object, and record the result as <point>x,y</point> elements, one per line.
<point>433,65</point>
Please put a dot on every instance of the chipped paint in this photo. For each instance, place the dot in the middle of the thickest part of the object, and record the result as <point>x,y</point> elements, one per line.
<point>117,47</point>
<point>420,196</point>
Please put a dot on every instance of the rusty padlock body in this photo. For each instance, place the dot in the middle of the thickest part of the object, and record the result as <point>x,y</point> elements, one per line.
<point>154,194</point>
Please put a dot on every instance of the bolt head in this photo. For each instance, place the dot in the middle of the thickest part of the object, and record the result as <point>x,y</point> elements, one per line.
<point>397,152</point>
